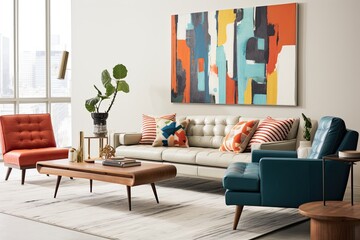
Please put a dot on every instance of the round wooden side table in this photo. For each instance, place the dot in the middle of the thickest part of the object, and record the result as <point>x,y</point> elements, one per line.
<point>336,220</point>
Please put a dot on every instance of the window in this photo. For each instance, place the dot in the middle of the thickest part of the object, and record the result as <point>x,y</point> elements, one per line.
<point>33,35</point>
<point>6,49</point>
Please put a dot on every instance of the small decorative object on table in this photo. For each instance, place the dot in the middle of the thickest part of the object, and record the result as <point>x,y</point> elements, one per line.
<point>121,163</point>
<point>349,154</point>
<point>80,150</point>
<point>72,155</point>
<point>107,152</point>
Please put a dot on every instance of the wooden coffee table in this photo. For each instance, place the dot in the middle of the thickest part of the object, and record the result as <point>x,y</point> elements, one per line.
<point>147,173</point>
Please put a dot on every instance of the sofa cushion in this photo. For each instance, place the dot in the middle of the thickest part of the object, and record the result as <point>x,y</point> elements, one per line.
<point>149,127</point>
<point>238,138</point>
<point>182,155</point>
<point>216,158</point>
<point>140,152</point>
<point>209,131</point>
<point>170,133</point>
<point>271,130</point>
<point>29,157</point>
<point>242,177</point>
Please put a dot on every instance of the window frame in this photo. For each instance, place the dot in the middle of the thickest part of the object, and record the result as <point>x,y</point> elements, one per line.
<point>48,100</point>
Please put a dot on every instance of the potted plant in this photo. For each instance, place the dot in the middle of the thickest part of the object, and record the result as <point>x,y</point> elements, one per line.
<point>307,127</point>
<point>305,146</point>
<point>112,87</point>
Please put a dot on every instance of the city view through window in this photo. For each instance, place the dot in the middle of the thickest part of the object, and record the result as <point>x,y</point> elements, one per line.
<point>33,35</point>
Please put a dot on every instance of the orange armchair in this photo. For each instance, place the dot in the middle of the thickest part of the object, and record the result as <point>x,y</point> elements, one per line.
<point>26,139</point>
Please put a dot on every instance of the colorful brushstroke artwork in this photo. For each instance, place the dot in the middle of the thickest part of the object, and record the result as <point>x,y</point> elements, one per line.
<point>236,56</point>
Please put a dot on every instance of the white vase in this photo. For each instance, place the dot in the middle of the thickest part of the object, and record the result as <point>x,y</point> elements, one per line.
<point>304,149</point>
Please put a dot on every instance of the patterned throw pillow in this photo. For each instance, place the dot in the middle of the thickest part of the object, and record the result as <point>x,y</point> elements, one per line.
<point>149,127</point>
<point>170,133</point>
<point>271,130</point>
<point>239,136</point>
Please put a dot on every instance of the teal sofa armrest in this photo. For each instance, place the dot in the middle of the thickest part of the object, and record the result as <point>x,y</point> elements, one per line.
<point>256,155</point>
<point>290,182</point>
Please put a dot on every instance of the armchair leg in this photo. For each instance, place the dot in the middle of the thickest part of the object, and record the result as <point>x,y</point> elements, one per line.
<point>8,173</point>
<point>23,171</point>
<point>238,212</point>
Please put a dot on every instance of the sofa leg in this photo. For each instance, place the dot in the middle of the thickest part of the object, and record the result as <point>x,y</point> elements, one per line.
<point>23,171</point>
<point>8,173</point>
<point>238,212</point>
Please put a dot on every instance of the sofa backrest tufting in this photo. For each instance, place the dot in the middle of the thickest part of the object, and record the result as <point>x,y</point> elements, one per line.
<point>208,131</point>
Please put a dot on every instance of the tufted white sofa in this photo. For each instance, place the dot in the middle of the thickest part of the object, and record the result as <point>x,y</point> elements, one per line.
<point>205,135</point>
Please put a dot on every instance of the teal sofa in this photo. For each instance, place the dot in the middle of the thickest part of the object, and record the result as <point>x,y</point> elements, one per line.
<point>280,179</point>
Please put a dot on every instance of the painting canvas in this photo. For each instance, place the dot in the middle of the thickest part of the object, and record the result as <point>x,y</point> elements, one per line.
<point>235,56</point>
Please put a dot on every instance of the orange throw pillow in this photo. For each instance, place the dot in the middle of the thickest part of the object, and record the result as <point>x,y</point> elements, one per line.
<point>239,136</point>
<point>170,133</point>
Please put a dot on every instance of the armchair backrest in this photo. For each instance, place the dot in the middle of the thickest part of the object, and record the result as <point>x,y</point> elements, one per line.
<point>349,141</point>
<point>26,131</point>
<point>328,137</point>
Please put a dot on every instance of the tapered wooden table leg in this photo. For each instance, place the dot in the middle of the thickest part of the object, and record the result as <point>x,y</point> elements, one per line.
<point>91,182</point>
<point>128,188</point>
<point>57,185</point>
<point>23,172</point>
<point>8,173</point>
<point>154,190</point>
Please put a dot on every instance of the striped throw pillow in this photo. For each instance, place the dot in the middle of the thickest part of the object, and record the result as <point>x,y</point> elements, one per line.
<point>271,130</point>
<point>149,127</point>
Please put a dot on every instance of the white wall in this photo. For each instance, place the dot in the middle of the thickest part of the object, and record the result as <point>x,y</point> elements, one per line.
<point>137,34</point>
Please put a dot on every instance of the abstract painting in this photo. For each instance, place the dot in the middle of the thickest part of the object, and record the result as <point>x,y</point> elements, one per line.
<point>235,56</point>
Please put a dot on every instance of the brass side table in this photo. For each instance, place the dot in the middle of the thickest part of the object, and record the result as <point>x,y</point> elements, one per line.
<point>101,143</point>
<point>351,161</point>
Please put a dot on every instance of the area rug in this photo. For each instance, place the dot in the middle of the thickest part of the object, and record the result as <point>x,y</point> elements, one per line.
<point>189,208</point>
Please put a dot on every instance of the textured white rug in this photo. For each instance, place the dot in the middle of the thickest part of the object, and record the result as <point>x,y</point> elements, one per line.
<point>189,208</point>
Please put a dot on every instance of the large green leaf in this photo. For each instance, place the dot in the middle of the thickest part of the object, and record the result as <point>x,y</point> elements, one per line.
<point>105,77</point>
<point>123,86</point>
<point>119,71</point>
<point>90,104</point>
<point>110,89</point>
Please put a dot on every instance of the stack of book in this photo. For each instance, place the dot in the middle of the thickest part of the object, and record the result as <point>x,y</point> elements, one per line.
<point>121,162</point>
